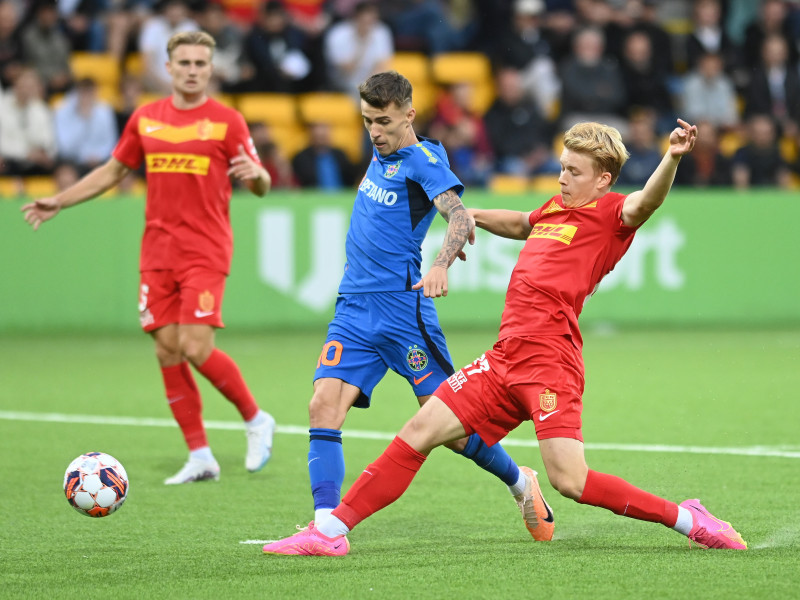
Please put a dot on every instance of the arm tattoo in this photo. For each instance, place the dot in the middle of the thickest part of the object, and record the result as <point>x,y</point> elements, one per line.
<point>459,226</point>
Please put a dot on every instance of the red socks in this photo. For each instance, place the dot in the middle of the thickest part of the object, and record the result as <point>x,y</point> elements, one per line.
<point>185,404</point>
<point>622,498</point>
<point>381,483</point>
<point>225,375</point>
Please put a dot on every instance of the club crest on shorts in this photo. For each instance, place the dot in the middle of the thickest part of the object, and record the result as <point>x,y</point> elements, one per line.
<point>392,170</point>
<point>205,301</point>
<point>548,401</point>
<point>416,358</point>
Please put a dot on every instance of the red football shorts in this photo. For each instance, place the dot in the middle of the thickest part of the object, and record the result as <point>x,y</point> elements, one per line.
<point>520,379</point>
<point>191,297</point>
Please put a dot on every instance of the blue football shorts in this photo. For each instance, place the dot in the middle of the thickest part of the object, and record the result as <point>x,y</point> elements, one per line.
<point>371,333</point>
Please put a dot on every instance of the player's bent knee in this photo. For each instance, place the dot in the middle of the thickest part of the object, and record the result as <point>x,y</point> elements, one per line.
<point>569,485</point>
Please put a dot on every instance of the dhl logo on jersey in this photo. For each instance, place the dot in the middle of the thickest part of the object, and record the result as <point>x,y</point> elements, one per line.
<point>554,231</point>
<point>202,130</point>
<point>177,163</point>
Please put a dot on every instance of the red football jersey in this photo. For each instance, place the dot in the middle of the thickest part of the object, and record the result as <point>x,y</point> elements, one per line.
<point>565,256</point>
<point>187,154</point>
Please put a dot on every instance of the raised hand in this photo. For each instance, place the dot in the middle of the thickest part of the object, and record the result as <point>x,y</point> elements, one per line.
<point>682,139</point>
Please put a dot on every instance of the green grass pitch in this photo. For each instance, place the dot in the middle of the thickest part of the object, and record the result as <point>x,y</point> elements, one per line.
<point>708,414</point>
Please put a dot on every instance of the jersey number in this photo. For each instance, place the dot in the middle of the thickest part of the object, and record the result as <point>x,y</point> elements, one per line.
<point>337,354</point>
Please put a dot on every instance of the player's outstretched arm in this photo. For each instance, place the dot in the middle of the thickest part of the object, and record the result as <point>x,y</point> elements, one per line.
<point>640,205</point>
<point>92,184</point>
<point>254,176</point>
<point>460,229</point>
<point>511,224</point>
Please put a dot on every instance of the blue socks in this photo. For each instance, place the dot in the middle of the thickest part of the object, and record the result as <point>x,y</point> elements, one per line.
<point>491,458</point>
<point>326,467</point>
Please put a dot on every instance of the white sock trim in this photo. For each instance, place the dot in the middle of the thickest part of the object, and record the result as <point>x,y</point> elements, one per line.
<point>331,527</point>
<point>685,521</point>
<point>518,487</point>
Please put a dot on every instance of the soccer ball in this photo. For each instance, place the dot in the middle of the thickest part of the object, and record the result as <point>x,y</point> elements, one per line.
<point>95,484</point>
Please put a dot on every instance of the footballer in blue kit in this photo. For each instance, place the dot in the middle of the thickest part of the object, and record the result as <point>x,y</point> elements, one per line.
<point>385,316</point>
<point>380,320</point>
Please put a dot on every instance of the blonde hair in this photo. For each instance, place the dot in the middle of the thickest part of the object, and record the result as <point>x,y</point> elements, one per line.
<point>602,142</point>
<point>190,38</point>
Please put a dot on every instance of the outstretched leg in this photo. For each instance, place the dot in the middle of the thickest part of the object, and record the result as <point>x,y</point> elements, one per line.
<point>566,467</point>
<point>381,483</point>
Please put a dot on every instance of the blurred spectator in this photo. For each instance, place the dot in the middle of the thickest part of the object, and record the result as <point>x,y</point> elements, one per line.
<point>463,134</point>
<point>559,24</point>
<point>321,165</point>
<point>272,157</point>
<point>241,12</point>
<point>273,53</point>
<point>705,165</point>
<point>525,48</point>
<point>130,94</point>
<point>759,162</point>
<point>520,137</point>
<point>357,47</point>
<point>85,128</point>
<point>229,38</point>
<point>172,17</point>
<point>646,86</point>
<point>313,18</point>
<point>593,85</point>
<point>643,147</point>
<point>604,16</point>
<point>775,86</point>
<point>425,26</point>
<point>708,36</point>
<point>642,16</point>
<point>772,20</point>
<point>708,94</point>
<point>10,43</point>
<point>47,49</point>
<point>27,140</point>
<point>83,23</point>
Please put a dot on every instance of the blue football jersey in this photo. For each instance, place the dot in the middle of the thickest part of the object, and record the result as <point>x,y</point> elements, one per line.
<point>391,216</point>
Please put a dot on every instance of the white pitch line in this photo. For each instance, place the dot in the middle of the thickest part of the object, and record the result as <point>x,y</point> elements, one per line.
<point>760,451</point>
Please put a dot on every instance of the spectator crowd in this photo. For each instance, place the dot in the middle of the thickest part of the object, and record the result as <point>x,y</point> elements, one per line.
<point>730,66</point>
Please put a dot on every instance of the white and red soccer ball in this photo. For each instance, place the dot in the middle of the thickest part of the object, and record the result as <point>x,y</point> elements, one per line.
<point>95,484</point>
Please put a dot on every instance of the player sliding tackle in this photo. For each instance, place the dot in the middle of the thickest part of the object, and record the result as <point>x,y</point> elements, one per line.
<point>535,371</point>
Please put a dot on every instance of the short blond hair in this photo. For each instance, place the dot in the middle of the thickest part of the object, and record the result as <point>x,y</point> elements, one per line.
<point>602,142</point>
<point>190,38</point>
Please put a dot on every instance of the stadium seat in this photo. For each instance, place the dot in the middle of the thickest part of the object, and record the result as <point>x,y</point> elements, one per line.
<point>273,109</point>
<point>148,97</point>
<point>416,67</point>
<point>10,187</point>
<point>501,183</point>
<point>341,112</point>
<point>289,138</point>
<point>226,99</point>
<point>100,66</point>
<point>37,186</point>
<point>730,142</point>
<point>466,67</point>
<point>545,183</point>
<point>134,64</point>
<point>788,147</point>
<point>328,107</point>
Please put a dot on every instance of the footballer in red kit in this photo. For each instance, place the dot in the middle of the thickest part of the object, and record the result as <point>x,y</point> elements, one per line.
<point>191,147</point>
<point>535,371</point>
